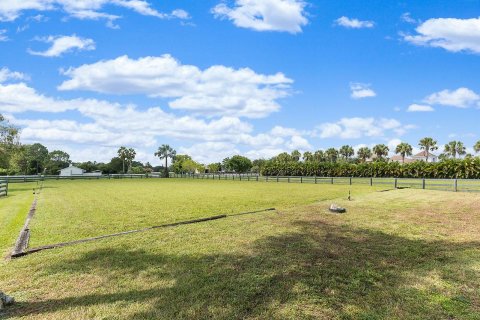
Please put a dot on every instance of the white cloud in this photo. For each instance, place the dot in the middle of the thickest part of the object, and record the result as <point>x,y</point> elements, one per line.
<point>300,143</point>
<point>108,125</point>
<point>6,74</point>
<point>361,90</point>
<point>3,35</point>
<point>419,108</point>
<point>63,44</point>
<point>86,9</point>
<point>280,131</point>
<point>354,23</point>
<point>355,128</point>
<point>215,91</point>
<point>209,152</point>
<point>265,15</point>
<point>460,98</point>
<point>406,17</point>
<point>451,34</point>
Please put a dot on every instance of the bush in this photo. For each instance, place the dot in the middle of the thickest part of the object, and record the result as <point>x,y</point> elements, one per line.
<point>448,169</point>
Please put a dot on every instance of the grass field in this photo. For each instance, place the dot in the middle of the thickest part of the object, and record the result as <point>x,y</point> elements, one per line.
<point>402,254</point>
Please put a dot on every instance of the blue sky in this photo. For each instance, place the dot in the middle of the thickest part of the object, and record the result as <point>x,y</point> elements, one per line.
<point>253,77</point>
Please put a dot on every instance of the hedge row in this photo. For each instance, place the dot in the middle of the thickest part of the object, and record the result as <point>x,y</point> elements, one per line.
<point>448,169</point>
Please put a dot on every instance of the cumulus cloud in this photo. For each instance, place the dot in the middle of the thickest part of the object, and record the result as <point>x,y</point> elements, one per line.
<point>209,152</point>
<point>354,23</point>
<point>298,142</point>
<point>63,44</point>
<point>451,34</point>
<point>109,125</point>
<point>215,91</point>
<point>6,74</point>
<point>361,90</point>
<point>265,15</point>
<point>419,108</point>
<point>355,128</point>
<point>460,98</point>
<point>92,9</point>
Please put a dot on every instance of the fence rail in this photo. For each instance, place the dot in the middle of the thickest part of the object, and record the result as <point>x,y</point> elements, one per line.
<point>3,188</point>
<point>457,185</point>
<point>33,178</point>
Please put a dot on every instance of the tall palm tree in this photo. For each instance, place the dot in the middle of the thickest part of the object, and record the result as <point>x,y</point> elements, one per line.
<point>346,152</point>
<point>122,154</point>
<point>476,147</point>
<point>165,152</point>
<point>404,149</point>
<point>364,153</point>
<point>331,154</point>
<point>307,156</point>
<point>319,155</point>
<point>296,155</point>
<point>454,148</point>
<point>380,150</point>
<point>428,144</point>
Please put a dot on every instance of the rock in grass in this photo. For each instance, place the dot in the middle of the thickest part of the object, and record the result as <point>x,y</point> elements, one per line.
<point>337,209</point>
<point>5,300</point>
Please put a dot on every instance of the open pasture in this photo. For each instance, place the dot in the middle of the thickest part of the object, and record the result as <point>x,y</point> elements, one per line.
<point>400,254</point>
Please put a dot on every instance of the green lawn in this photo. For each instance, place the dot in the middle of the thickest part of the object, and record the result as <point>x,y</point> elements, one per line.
<point>13,210</point>
<point>403,254</point>
<point>72,210</point>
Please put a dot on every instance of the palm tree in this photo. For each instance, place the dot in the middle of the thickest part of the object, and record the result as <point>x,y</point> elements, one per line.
<point>307,156</point>
<point>404,149</point>
<point>454,148</point>
<point>122,154</point>
<point>331,154</point>
<point>428,144</point>
<point>165,152</point>
<point>296,155</point>
<point>364,153</point>
<point>476,147</point>
<point>319,155</point>
<point>346,152</point>
<point>380,150</point>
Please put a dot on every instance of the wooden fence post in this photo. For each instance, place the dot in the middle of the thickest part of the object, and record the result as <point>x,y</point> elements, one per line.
<point>396,183</point>
<point>350,180</point>
<point>332,180</point>
<point>315,179</point>
<point>301,179</point>
<point>423,183</point>
<point>371,182</point>
<point>456,184</point>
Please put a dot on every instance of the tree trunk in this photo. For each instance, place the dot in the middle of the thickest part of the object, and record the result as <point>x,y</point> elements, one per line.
<point>166,167</point>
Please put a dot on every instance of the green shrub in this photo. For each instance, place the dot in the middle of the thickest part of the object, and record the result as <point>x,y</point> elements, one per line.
<point>463,169</point>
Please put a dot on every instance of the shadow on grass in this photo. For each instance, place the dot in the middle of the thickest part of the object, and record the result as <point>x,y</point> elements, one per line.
<point>325,271</point>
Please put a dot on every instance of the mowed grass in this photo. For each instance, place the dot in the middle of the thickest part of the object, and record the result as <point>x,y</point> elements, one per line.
<point>13,210</point>
<point>403,254</point>
<point>70,210</point>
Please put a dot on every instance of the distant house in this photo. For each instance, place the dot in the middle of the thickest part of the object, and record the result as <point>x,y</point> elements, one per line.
<point>422,156</point>
<point>399,159</point>
<point>72,171</point>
